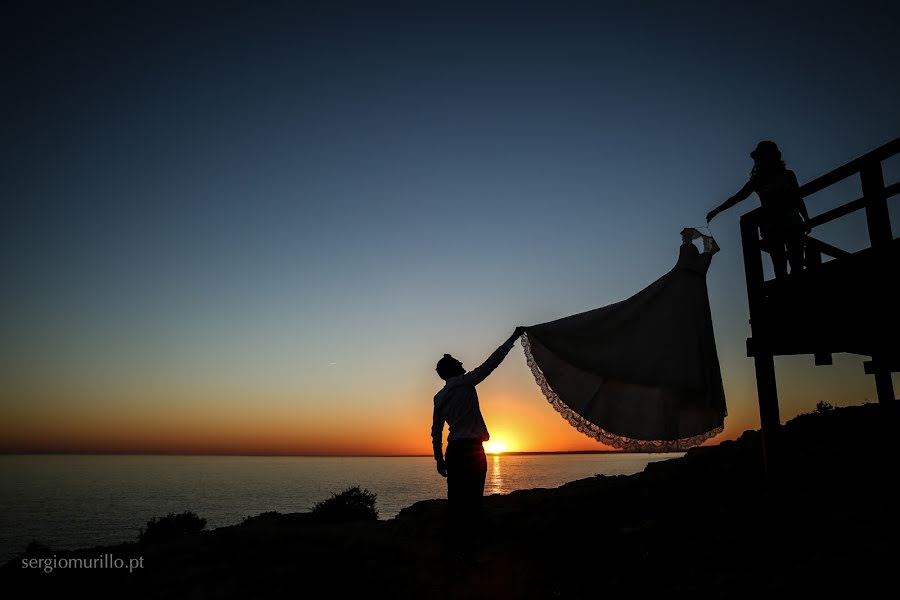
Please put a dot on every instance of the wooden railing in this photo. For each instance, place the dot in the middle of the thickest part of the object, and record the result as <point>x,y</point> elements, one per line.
<point>766,298</point>
<point>873,201</point>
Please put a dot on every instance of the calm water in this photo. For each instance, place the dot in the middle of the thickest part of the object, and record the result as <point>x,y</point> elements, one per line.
<point>83,501</point>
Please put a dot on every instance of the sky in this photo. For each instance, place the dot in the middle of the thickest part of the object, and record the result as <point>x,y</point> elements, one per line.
<point>254,227</point>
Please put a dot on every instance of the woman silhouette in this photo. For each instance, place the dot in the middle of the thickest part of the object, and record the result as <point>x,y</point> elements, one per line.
<point>784,208</point>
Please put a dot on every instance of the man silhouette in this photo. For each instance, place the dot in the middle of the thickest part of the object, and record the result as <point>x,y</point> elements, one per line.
<point>465,466</point>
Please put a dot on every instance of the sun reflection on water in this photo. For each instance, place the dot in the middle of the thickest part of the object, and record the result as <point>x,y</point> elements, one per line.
<point>494,482</point>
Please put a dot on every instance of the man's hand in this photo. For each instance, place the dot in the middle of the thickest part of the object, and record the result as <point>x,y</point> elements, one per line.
<point>442,467</point>
<point>711,215</point>
<point>516,334</point>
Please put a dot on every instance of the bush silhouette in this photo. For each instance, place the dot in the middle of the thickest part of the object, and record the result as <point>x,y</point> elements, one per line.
<point>352,504</point>
<point>824,407</point>
<point>263,515</point>
<point>35,548</point>
<point>171,526</point>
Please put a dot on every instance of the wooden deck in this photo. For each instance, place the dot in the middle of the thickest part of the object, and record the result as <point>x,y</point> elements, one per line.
<point>846,304</point>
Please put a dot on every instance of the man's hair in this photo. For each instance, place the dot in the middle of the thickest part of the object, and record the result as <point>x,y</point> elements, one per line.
<point>447,367</point>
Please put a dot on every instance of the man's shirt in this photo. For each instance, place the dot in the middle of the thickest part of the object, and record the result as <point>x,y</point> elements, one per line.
<point>457,404</point>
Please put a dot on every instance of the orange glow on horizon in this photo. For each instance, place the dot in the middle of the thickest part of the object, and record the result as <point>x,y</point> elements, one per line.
<point>518,418</point>
<point>495,447</point>
<point>537,430</point>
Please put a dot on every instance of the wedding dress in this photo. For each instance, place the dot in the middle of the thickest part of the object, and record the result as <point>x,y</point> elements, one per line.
<point>641,374</point>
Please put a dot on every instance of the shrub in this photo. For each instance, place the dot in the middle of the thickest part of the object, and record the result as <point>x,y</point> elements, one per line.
<point>352,504</point>
<point>263,515</point>
<point>35,548</point>
<point>171,526</point>
<point>824,407</point>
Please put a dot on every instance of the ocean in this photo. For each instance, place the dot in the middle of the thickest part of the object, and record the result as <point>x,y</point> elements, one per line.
<point>72,501</point>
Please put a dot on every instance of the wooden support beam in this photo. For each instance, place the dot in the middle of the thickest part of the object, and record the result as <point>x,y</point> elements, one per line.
<point>885,387</point>
<point>753,268</point>
<point>823,359</point>
<point>880,234</point>
<point>892,366</point>
<point>823,248</point>
<point>834,213</point>
<point>768,413</point>
<point>892,190</point>
<point>762,358</point>
<point>877,216</point>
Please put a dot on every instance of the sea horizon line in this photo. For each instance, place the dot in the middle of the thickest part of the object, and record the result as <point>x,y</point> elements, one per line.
<point>319,455</point>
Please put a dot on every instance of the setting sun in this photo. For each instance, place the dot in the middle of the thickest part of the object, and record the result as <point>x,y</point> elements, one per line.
<point>495,447</point>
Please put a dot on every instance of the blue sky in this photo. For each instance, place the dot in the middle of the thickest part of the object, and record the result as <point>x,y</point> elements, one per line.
<point>299,207</point>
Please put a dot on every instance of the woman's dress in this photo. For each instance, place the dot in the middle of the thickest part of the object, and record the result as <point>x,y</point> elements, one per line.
<point>641,374</point>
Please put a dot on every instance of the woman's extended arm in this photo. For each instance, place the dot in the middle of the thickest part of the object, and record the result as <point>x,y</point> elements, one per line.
<point>742,194</point>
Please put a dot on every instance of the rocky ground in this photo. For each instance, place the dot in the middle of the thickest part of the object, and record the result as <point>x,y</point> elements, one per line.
<point>703,526</point>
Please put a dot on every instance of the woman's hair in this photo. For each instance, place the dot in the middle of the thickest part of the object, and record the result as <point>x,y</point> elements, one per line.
<point>767,164</point>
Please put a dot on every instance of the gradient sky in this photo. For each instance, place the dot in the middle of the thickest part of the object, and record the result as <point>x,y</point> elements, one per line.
<point>254,227</point>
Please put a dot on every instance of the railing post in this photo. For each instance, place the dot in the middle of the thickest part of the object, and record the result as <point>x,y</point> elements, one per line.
<point>877,216</point>
<point>763,358</point>
<point>880,235</point>
<point>769,416</point>
<point>753,268</point>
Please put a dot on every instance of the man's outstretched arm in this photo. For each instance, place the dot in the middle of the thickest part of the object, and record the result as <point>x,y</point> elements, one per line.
<point>480,373</point>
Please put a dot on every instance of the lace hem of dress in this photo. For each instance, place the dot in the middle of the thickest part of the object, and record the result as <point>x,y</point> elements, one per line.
<point>598,433</point>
